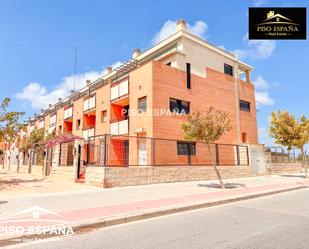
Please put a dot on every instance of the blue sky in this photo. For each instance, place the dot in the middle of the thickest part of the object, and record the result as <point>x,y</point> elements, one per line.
<point>38,39</point>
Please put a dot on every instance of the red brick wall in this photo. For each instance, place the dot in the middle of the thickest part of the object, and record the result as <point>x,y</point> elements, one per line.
<point>248,119</point>
<point>217,90</point>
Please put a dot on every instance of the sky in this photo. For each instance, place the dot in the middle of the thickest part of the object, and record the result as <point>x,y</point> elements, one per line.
<point>38,40</point>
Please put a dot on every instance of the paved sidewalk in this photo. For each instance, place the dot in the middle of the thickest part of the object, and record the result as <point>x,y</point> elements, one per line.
<point>118,205</point>
<point>18,185</point>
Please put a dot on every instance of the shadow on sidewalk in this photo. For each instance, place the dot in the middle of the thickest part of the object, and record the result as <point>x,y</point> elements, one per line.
<point>5,184</point>
<point>231,185</point>
<point>296,176</point>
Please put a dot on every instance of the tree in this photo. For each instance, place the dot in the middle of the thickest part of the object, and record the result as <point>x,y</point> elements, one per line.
<point>9,122</point>
<point>35,140</point>
<point>207,128</point>
<point>35,143</point>
<point>282,128</point>
<point>301,138</point>
<point>290,132</point>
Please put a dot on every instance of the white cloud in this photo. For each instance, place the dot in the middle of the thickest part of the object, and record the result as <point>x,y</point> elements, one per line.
<point>258,3</point>
<point>169,27</point>
<point>39,97</point>
<point>260,83</point>
<point>262,95</point>
<point>263,98</point>
<point>255,49</point>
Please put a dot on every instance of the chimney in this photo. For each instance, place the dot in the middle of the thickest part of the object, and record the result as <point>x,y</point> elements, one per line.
<point>60,99</point>
<point>72,91</point>
<point>181,25</point>
<point>88,82</point>
<point>50,105</point>
<point>136,53</point>
<point>108,70</point>
<point>34,114</point>
<point>42,110</point>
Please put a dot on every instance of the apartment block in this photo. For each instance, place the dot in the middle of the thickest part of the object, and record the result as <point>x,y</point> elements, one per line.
<point>147,98</point>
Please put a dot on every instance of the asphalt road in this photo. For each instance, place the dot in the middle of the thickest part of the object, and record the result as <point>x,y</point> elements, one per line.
<point>277,221</point>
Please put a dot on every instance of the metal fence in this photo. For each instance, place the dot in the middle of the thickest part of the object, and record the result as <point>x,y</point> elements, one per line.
<point>282,155</point>
<point>117,150</point>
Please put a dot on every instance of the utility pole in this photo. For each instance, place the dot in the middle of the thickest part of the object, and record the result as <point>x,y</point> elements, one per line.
<point>75,64</point>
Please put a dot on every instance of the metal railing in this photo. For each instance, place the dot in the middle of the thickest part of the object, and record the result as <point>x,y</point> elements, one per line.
<point>278,154</point>
<point>281,155</point>
<point>123,150</point>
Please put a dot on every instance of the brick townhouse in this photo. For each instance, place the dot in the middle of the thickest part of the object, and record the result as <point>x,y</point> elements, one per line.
<point>183,73</point>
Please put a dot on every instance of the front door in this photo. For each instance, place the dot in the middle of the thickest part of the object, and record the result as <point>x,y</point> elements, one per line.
<point>79,149</point>
<point>142,153</point>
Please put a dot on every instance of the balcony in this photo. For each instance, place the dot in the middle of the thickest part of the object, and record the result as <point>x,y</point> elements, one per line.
<point>41,124</point>
<point>88,133</point>
<point>68,113</point>
<point>51,129</point>
<point>120,90</point>
<point>119,127</point>
<point>89,104</point>
<point>52,120</point>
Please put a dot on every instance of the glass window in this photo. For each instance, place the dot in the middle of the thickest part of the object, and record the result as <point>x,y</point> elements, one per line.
<point>244,105</point>
<point>77,124</point>
<point>188,75</point>
<point>179,106</point>
<point>228,69</point>
<point>186,148</point>
<point>103,116</point>
<point>142,104</point>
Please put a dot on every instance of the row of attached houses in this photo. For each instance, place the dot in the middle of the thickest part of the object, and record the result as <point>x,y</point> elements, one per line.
<point>146,99</point>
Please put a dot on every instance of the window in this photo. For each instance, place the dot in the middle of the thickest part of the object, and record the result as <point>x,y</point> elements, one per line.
<point>103,116</point>
<point>77,124</point>
<point>244,105</point>
<point>52,119</point>
<point>179,106</point>
<point>244,137</point>
<point>89,103</point>
<point>188,75</point>
<point>185,148</point>
<point>142,104</point>
<point>228,69</point>
<point>169,64</point>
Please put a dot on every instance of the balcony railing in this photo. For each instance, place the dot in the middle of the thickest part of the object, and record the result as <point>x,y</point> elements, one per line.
<point>68,113</point>
<point>88,133</point>
<point>119,127</point>
<point>88,126</point>
<point>120,90</point>
<point>89,104</point>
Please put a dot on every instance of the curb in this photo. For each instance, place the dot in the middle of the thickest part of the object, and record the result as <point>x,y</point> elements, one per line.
<point>101,222</point>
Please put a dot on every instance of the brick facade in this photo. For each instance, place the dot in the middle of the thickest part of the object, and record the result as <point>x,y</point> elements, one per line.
<point>156,75</point>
